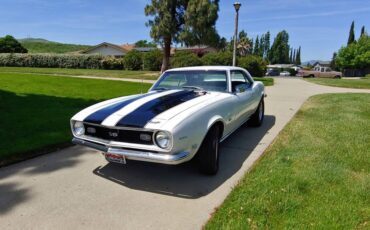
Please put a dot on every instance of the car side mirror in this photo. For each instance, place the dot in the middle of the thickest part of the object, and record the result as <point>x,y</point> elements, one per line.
<point>240,88</point>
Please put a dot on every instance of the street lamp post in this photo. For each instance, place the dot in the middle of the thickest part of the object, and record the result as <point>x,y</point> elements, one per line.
<point>237,6</point>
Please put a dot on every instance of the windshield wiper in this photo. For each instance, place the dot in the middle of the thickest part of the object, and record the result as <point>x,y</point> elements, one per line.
<point>161,88</point>
<point>193,87</point>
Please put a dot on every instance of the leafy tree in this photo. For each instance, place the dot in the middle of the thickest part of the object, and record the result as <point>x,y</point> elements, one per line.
<point>172,22</point>
<point>279,52</point>
<point>355,55</point>
<point>145,43</point>
<point>9,44</point>
<point>200,23</point>
<point>166,22</point>
<point>351,37</point>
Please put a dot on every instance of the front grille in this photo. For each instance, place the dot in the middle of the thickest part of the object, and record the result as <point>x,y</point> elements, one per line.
<point>120,135</point>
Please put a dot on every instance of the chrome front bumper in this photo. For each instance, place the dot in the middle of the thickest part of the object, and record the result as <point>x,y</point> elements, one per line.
<point>171,159</point>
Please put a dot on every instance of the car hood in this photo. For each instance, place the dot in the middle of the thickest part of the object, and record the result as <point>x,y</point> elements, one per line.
<point>138,111</point>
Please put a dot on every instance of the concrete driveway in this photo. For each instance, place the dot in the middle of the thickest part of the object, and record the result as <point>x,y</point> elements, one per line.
<point>77,189</point>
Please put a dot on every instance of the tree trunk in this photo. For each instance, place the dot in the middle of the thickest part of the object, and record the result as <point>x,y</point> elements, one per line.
<point>167,53</point>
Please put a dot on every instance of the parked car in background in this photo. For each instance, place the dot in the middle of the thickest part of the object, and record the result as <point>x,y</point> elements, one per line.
<point>285,73</point>
<point>272,72</point>
<point>323,72</point>
<point>186,113</point>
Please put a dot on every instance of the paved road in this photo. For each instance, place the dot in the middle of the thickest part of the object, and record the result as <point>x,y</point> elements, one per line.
<point>77,189</point>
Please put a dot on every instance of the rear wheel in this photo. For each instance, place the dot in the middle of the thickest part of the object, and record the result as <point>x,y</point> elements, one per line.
<point>256,119</point>
<point>208,154</point>
<point>337,77</point>
<point>311,76</point>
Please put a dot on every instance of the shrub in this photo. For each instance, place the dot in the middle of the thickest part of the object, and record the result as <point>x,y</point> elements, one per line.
<point>220,58</point>
<point>133,60</point>
<point>183,59</point>
<point>254,64</point>
<point>152,60</point>
<point>292,72</point>
<point>52,60</point>
<point>112,63</point>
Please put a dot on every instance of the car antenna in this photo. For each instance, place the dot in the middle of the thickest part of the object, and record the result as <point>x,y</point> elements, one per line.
<point>141,86</point>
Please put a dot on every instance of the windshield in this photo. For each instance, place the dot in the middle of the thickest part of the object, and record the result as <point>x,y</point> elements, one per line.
<point>196,80</point>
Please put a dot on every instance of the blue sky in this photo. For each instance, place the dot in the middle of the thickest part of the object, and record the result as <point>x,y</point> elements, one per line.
<point>319,26</point>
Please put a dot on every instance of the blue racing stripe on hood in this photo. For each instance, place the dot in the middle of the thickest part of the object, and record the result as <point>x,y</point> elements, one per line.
<point>99,116</point>
<point>142,115</point>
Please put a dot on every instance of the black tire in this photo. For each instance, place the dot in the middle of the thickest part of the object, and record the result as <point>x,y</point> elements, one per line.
<point>337,77</point>
<point>256,119</point>
<point>311,76</point>
<point>208,153</point>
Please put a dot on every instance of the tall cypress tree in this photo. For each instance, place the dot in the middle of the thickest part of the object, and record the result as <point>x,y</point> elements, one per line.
<point>362,31</point>
<point>294,57</point>
<point>256,46</point>
<point>351,37</point>
<point>267,45</point>
<point>298,58</point>
<point>291,55</point>
<point>279,52</point>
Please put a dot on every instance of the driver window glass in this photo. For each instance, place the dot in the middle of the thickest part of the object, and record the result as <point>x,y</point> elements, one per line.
<point>237,78</point>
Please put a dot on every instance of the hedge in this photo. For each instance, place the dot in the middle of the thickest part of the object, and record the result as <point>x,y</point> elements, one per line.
<point>52,61</point>
<point>220,58</point>
<point>183,59</point>
<point>255,65</point>
<point>133,60</point>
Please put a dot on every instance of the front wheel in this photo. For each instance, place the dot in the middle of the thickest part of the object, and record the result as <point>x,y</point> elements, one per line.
<point>256,119</point>
<point>208,154</point>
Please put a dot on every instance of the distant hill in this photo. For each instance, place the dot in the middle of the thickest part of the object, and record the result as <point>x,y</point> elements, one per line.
<point>40,45</point>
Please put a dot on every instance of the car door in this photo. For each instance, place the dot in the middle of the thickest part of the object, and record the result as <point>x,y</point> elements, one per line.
<point>242,89</point>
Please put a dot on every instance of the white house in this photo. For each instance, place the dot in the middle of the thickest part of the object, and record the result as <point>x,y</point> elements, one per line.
<point>107,49</point>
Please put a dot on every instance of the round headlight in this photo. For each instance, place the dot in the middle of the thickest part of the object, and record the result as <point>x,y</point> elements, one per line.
<point>163,139</point>
<point>79,128</point>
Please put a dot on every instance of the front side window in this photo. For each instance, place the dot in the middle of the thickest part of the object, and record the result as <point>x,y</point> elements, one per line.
<point>202,79</point>
<point>238,78</point>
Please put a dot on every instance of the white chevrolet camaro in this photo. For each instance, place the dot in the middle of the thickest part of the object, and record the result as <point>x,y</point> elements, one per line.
<point>186,113</point>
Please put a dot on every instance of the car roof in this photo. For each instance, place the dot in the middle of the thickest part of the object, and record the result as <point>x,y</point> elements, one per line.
<point>226,68</point>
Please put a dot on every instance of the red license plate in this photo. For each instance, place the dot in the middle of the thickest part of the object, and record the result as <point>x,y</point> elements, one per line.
<point>116,158</point>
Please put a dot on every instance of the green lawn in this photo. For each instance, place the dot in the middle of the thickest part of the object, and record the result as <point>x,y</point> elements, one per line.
<point>150,75</point>
<point>363,83</point>
<point>35,110</point>
<point>267,81</point>
<point>316,174</point>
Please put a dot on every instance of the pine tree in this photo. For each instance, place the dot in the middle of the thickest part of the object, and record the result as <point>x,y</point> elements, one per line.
<point>291,56</point>
<point>351,37</point>
<point>267,45</point>
<point>294,56</point>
